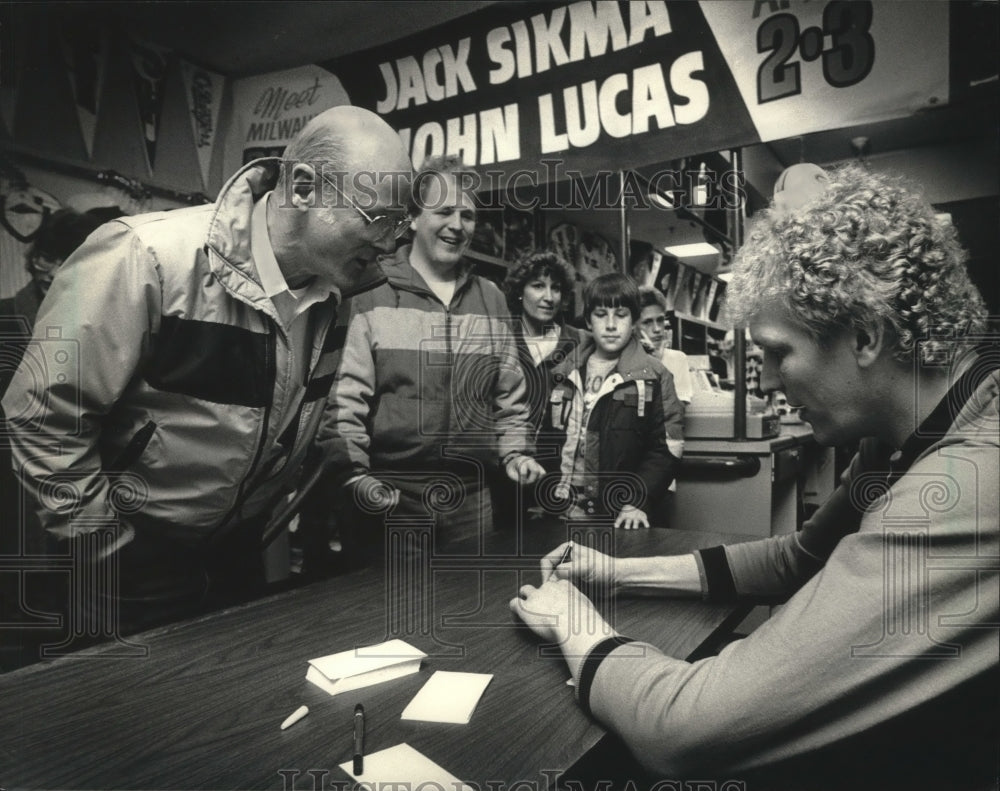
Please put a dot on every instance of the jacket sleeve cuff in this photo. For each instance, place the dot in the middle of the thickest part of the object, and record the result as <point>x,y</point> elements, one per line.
<point>718,582</point>
<point>510,456</point>
<point>592,662</point>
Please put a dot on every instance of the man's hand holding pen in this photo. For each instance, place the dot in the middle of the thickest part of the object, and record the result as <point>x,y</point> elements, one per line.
<point>574,562</point>
<point>557,608</point>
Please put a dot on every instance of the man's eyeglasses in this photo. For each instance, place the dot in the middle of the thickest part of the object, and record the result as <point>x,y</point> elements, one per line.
<point>382,224</point>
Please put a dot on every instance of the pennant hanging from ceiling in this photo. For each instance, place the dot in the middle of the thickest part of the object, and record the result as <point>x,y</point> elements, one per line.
<point>84,47</point>
<point>11,61</point>
<point>149,62</point>
<point>203,89</point>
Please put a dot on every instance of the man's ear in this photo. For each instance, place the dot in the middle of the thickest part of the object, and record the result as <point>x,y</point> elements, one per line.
<point>868,342</point>
<point>303,186</point>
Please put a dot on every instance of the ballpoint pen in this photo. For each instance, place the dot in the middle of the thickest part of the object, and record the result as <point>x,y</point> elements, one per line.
<point>564,559</point>
<point>359,739</point>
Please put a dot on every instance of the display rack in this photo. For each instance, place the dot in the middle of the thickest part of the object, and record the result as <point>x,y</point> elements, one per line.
<point>692,335</point>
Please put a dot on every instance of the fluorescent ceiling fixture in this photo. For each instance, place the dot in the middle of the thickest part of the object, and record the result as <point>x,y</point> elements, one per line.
<point>695,250</point>
<point>663,201</point>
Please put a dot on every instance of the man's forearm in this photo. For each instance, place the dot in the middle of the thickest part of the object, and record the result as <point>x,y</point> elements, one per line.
<point>674,574</point>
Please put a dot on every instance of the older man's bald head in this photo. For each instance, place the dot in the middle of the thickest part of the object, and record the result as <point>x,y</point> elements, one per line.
<point>350,140</point>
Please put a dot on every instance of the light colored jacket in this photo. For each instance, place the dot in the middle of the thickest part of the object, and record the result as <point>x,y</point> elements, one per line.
<point>893,610</point>
<point>164,362</point>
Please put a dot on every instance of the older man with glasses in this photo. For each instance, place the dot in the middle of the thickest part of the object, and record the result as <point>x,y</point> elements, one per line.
<point>188,356</point>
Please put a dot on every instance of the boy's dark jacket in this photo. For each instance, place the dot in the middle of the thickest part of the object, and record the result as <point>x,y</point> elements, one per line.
<point>620,436</point>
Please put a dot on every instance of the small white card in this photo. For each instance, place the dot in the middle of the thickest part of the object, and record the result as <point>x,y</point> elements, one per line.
<point>448,697</point>
<point>402,764</point>
<point>361,667</point>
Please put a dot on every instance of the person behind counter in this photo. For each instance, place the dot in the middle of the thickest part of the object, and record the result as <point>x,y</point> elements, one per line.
<point>58,236</point>
<point>880,668</point>
<point>616,413</point>
<point>206,357</point>
<point>656,336</point>
<point>536,290</point>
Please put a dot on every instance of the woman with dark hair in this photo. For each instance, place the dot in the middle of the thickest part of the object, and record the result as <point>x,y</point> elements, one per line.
<point>536,289</point>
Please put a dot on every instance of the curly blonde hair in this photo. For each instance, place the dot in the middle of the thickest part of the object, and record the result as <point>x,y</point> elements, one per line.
<point>869,250</point>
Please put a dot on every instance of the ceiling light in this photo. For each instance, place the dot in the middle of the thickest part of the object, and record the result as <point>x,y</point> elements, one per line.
<point>695,250</point>
<point>663,201</point>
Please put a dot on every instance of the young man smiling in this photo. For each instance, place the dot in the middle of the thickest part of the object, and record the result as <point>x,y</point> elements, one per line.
<point>429,389</point>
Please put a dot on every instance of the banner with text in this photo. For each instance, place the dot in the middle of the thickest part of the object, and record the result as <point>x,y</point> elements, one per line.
<point>599,85</point>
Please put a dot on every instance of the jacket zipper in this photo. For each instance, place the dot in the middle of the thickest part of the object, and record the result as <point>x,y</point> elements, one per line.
<point>133,450</point>
<point>238,502</point>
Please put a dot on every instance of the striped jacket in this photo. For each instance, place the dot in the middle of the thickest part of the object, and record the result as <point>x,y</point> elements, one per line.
<point>424,384</point>
<point>164,366</point>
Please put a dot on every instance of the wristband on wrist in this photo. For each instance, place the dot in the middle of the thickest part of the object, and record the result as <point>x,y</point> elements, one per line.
<point>592,662</point>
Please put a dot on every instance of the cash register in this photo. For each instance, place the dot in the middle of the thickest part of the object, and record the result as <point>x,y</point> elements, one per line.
<point>710,413</point>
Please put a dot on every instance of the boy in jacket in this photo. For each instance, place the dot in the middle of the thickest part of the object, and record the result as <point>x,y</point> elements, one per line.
<point>618,411</point>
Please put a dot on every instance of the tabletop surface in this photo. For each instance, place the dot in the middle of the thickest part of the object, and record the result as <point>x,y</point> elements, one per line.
<point>198,704</point>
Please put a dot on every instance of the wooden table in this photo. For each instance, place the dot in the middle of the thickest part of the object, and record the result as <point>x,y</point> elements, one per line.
<point>202,708</point>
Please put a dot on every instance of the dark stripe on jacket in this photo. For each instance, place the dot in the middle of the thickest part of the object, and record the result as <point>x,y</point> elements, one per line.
<point>215,362</point>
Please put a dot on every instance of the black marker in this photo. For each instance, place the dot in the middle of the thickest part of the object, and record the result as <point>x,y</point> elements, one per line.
<point>359,739</point>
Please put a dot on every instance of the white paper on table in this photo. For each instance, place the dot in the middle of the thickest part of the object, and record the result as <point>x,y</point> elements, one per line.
<point>448,697</point>
<point>403,764</point>
<point>361,667</point>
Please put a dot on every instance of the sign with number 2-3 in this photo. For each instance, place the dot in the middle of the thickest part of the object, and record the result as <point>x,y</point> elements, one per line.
<point>807,66</point>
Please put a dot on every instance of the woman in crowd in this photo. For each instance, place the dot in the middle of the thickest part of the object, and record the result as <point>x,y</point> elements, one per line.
<point>536,289</point>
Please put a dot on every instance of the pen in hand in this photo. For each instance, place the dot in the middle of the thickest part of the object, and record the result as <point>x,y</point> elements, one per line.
<point>359,739</point>
<point>564,559</point>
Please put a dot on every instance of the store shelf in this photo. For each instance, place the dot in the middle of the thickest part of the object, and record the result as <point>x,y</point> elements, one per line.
<point>691,335</point>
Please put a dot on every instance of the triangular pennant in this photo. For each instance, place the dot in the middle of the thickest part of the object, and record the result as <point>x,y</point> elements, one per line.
<point>11,63</point>
<point>203,89</point>
<point>149,68</point>
<point>84,47</point>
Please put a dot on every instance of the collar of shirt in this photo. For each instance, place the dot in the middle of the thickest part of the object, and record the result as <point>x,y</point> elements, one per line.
<point>289,304</point>
<point>540,346</point>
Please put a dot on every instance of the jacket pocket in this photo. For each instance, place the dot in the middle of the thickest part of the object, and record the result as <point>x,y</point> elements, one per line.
<point>559,405</point>
<point>133,450</point>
